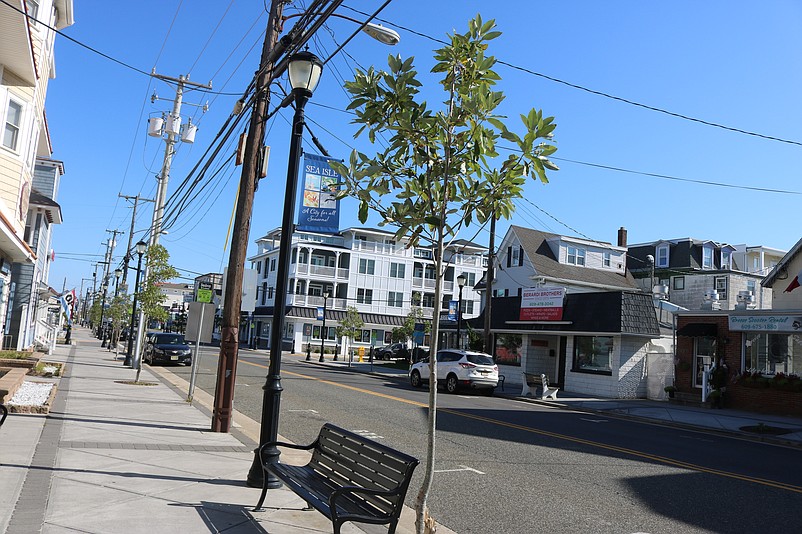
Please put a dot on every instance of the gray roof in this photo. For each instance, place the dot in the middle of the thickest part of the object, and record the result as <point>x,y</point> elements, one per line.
<point>545,264</point>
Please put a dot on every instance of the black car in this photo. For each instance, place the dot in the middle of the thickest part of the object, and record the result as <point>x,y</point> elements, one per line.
<point>162,347</point>
<point>392,352</point>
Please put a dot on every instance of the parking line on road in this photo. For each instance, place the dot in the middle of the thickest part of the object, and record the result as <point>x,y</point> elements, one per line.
<point>460,468</point>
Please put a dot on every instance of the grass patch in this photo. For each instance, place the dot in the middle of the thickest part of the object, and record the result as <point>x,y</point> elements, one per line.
<point>46,369</point>
<point>15,355</point>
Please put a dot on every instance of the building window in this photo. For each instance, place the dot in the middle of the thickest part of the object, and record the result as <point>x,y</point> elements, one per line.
<point>364,296</point>
<point>750,286</point>
<point>467,306</point>
<point>395,299</point>
<point>576,256</point>
<point>470,279</point>
<point>720,285</point>
<point>593,354</point>
<point>662,256</point>
<point>273,264</point>
<point>13,123</point>
<point>770,354</point>
<point>397,270</point>
<point>264,292</point>
<point>515,255</point>
<point>258,267</point>
<point>427,300</point>
<point>678,283</point>
<point>270,292</point>
<point>366,266</point>
<point>606,259</point>
<point>707,257</point>
<point>726,257</point>
<point>703,352</point>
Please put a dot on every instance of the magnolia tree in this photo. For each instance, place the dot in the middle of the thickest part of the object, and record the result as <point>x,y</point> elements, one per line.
<point>350,326</point>
<point>150,297</point>
<point>442,169</point>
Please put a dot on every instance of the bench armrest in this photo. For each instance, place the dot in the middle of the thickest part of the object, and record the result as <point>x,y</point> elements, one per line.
<point>285,444</point>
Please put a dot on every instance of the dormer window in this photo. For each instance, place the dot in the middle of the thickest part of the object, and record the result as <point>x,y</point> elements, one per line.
<point>661,255</point>
<point>726,257</point>
<point>576,256</point>
<point>606,258</point>
<point>707,257</point>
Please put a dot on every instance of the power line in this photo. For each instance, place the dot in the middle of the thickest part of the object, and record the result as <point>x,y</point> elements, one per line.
<point>596,92</point>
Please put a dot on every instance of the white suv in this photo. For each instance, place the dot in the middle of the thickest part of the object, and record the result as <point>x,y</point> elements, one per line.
<point>458,368</point>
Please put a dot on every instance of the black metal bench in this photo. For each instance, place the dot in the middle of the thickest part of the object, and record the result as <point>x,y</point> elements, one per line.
<point>5,414</point>
<point>349,478</point>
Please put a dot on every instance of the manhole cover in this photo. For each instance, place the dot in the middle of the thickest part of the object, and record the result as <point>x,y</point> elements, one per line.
<point>135,383</point>
<point>766,429</point>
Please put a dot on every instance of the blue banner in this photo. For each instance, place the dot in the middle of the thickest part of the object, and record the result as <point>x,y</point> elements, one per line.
<point>319,209</point>
<point>452,310</point>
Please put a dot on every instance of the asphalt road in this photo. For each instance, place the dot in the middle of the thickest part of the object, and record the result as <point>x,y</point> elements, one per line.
<point>510,466</point>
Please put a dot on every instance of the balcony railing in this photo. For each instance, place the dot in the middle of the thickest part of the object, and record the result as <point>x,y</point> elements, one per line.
<point>425,283</point>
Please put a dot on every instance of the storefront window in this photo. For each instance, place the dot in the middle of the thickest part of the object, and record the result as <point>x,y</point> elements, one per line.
<point>508,349</point>
<point>593,354</point>
<point>703,355</point>
<point>773,353</point>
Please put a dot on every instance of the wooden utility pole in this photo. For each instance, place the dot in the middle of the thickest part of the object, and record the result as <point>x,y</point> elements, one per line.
<point>128,250</point>
<point>229,343</point>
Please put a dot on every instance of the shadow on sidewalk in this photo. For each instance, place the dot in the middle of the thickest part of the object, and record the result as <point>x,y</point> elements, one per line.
<point>132,474</point>
<point>66,417</point>
<point>224,517</point>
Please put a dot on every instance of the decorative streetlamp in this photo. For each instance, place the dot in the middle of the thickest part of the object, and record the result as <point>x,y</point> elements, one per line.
<point>304,71</point>
<point>461,280</point>
<point>140,250</point>
<point>323,329</point>
<point>102,329</point>
<point>117,274</point>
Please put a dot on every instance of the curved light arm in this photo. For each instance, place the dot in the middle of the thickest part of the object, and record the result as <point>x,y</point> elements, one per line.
<point>377,31</point>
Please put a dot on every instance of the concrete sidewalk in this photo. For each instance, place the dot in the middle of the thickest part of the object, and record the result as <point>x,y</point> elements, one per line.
<point>116,457</point>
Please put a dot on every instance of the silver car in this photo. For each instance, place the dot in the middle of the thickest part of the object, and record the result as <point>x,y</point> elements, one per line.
<point>458,369</point>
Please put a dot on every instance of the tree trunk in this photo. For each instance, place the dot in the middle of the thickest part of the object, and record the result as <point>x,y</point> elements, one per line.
<point>491,258</point>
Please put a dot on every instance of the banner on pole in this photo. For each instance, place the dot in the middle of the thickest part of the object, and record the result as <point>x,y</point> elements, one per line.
<point>319,208</point>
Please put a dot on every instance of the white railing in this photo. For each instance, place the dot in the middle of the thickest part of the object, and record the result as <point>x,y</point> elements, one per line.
<point>426,283</point>
<point>322,270</point>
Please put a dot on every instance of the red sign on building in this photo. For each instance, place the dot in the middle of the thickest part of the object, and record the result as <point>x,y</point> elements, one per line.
<point>542,304</point>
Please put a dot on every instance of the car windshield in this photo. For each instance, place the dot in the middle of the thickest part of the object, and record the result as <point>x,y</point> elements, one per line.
<point>480,359</point>
<point>170,339</point>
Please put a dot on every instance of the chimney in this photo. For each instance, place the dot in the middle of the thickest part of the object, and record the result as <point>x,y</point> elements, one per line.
<point>622,237</point>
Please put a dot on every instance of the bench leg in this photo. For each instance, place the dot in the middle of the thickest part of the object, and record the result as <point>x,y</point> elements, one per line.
<point>261,497</point>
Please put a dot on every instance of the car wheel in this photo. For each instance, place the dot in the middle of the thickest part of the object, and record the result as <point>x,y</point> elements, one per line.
<point>451,384</point>
<point>415,380</point>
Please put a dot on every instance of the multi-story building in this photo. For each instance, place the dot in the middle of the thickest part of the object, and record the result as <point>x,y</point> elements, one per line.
<point>363,268</point>
<point>26,66</point>
<point>693,270</point>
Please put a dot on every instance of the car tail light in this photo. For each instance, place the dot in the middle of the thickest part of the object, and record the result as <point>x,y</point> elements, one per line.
<point>466,365</point>
<point>495,367</point>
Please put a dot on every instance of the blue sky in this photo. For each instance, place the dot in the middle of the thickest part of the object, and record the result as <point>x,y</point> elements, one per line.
<point>721,61</point>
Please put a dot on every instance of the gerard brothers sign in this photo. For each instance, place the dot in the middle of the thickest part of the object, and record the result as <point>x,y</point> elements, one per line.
<point>765,323</point>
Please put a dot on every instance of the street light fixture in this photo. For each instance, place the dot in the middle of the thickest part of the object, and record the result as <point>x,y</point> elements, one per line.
<point>101,329</point>
<point>377,31</point>
<point>140,250</point>
<point>323,329</point>
<point>117,274</point>
<point>461,280</point>
<point>304,71</point>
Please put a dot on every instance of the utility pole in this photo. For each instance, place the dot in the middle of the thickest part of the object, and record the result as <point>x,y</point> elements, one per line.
<point>127,256</point>
<point>229,342</point>
<point>489,276</point>
<point>172,128</point>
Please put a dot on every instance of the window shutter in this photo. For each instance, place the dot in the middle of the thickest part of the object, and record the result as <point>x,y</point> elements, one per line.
<point>520,256</point>
<point>509,256</point>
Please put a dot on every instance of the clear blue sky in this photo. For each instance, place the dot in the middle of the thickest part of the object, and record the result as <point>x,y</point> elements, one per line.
<point>726,62</point>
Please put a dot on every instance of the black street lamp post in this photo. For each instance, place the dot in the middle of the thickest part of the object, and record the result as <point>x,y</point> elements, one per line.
<point>323,329</point>
<point>102,329</point>
<point>304,71</point>
<point>461,279</point>
<point>140,249</point>
<point>117,274</point>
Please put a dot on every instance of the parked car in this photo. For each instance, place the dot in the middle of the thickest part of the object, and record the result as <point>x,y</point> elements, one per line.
<point>392,352</point>
<point>458,369</point>
<point>420,352</point>
<point>161,347</point>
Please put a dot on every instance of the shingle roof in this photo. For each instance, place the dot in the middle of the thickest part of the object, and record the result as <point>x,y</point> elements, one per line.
<point>534,243</point>
<point>333,315</point>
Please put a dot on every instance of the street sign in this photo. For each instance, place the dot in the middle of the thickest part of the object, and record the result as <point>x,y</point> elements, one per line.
<point>197,330</point>
<point>204,295</point>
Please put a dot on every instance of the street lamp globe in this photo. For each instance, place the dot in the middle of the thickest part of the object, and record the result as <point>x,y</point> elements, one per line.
<point>140,247</point>
<point>462,280</point>
<point>118,273</point>
<point>304,70</point>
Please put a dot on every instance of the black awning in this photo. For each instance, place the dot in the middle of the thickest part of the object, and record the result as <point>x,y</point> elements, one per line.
<point>698,330</point>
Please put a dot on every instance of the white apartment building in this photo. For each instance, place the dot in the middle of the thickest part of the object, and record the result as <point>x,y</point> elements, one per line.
<point>361,267</point>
